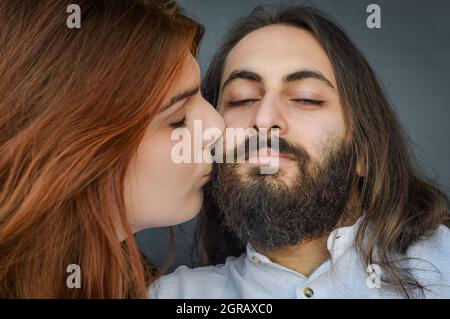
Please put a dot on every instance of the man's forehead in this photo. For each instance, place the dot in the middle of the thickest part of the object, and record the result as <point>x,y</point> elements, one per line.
<point>277,50</point>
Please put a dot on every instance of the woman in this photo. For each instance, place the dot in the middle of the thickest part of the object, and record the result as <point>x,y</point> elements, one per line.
<point>86,117</point>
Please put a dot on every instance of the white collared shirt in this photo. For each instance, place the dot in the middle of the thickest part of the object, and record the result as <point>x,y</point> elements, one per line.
<point>254,276</point>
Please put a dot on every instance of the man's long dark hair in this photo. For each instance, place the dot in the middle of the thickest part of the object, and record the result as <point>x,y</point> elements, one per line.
<point>401,206</point>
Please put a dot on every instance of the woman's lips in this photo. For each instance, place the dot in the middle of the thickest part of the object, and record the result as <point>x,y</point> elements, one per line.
<point>207,176</point>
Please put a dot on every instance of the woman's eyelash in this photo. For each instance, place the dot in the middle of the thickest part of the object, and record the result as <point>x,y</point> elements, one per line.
<point>179,124</point>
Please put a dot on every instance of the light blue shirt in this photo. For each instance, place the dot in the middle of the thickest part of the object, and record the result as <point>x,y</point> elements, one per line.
<point>254,276</point>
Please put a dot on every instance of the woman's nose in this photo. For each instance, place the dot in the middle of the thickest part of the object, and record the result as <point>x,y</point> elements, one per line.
<point>213,125</point>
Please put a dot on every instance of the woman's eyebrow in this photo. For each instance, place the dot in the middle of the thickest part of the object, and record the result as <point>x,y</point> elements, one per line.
<point>181,96</point>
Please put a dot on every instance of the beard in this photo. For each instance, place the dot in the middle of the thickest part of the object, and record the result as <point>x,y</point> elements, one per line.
<point>269,212</point>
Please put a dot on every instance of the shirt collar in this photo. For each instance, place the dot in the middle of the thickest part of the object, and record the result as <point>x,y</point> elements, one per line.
<point>342,238</point>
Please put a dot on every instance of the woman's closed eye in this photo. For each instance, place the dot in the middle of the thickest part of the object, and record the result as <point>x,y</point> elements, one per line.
<point>179,124</point>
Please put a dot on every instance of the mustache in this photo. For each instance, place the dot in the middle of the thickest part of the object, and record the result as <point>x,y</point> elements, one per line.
<point>257,143</point>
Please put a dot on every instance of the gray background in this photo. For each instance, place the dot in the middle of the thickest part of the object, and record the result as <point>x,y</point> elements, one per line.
<point>410,54</point>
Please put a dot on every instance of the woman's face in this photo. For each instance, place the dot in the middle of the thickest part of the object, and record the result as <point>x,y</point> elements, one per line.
<point>158,191</point>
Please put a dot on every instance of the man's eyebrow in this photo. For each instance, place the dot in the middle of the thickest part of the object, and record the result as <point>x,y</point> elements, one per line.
<point>242,74</point>
<point>179,97</point>
<point>307,74</point>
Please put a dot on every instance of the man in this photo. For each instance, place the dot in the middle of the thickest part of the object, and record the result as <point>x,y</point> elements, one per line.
<point>346,215</point>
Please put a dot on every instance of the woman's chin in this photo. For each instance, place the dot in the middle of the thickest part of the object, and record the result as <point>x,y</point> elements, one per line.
<point>190,208</point>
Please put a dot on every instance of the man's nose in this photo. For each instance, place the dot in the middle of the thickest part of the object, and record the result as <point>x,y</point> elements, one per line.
<point>269,114</point>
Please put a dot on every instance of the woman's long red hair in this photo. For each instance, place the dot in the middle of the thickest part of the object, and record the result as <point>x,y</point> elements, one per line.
<point>74,104</point>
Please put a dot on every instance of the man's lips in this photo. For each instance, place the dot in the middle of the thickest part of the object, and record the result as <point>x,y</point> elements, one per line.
<point>267,156</point>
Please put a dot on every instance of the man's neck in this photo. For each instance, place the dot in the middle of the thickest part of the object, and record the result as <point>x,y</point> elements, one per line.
<point>303,258</point>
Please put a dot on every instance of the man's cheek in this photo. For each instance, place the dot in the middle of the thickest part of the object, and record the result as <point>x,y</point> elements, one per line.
<point>326,142</point>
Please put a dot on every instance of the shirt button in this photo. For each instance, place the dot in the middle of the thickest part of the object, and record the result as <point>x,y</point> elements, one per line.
<point>256,259</point>
<point>308,292</point>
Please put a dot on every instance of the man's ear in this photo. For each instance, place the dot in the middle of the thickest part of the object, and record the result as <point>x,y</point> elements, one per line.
<point>361,169</point>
